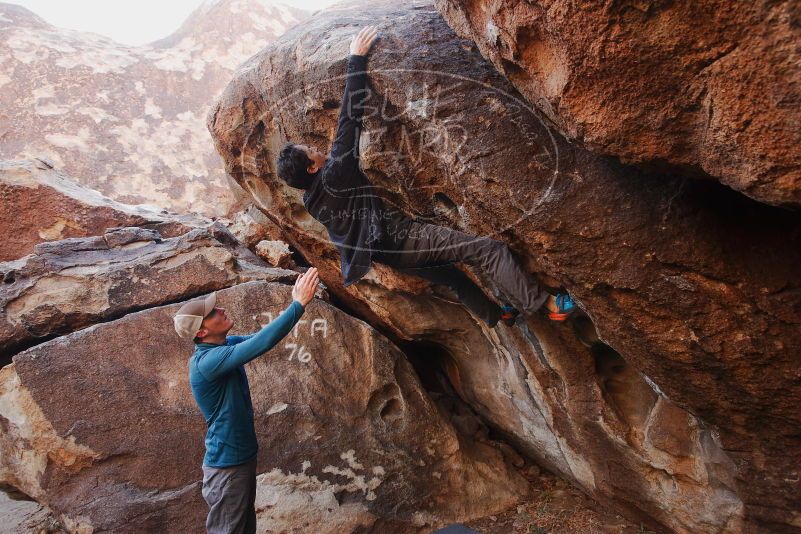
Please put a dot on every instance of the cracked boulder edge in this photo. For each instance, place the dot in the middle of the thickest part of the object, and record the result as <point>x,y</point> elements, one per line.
<point>45,204</point>
<point>70,284</point>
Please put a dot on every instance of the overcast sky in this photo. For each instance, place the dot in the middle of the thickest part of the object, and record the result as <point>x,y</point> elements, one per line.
<point>132,22</point>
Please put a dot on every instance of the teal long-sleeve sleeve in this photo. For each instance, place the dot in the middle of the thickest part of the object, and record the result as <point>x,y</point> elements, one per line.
<point>226,358</point>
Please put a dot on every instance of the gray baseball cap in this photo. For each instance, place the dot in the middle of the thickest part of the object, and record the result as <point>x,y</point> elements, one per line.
<point>188,318</point>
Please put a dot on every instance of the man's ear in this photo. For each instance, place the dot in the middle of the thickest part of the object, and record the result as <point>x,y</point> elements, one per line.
<point>203,332</point>
<point>311,169</point>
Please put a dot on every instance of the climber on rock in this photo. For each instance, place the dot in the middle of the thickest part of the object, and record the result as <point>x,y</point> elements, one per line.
<point>220,388</point>
<point>340,196</point>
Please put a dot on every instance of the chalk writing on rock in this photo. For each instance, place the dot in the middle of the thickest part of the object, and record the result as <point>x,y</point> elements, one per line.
<point>297,351</point>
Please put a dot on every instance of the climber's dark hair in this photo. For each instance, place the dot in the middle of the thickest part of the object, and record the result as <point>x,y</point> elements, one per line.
<point>292,164</point>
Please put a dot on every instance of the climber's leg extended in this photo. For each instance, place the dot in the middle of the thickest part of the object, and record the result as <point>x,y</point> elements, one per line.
<point>433,244</point>
<point>468,292</point>
<point>409,261</point>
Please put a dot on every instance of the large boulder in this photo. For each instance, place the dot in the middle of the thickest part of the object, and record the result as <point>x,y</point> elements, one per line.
<point>42,204</point>
<point>349,440</point>
<point>73,283</point>
<point>710,88</point>
<point>682,412</point>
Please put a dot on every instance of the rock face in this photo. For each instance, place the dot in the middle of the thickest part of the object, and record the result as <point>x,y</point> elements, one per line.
<point>250,226</point>
<point>276,253</point>
<point>129,120</point>
<point>713,85</point>
<point>349,441</point>
<point>69,284</point>
<point>683,414</point>
<point>42,204</point>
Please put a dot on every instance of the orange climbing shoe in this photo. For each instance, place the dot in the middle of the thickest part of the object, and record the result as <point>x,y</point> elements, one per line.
<point>509,314</point>
<point>565,306</point>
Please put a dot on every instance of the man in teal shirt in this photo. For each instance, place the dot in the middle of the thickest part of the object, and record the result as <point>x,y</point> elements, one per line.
<point>220,388</point>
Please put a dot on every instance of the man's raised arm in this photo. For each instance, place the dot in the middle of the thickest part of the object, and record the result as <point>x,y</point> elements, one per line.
<point>345,145</point>
<point>226,358</point>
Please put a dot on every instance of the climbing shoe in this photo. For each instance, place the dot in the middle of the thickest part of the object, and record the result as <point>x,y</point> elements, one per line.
<point>509,314</point>
<point>565,305</point>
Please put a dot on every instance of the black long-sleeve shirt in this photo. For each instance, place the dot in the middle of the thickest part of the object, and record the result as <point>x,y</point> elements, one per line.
<point>341,196</point>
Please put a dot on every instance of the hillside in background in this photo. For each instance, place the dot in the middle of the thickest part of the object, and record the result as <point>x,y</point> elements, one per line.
<point>129,121</point>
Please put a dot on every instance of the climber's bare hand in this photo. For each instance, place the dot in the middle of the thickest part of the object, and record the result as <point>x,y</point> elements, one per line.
<point>362,41</point>
<point>305,285</point>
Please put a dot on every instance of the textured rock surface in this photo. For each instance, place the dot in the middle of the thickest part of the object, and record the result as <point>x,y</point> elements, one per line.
<point>129,120</point>
<point>714,85</point>
<point>42,204</point>
<point>276,253</point>
<point>250,226</point>
<point>348,438</point>
<point>69,284</point>
<point>689,284</point>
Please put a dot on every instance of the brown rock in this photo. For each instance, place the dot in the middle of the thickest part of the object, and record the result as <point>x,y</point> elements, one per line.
<point>70,284</point>
<point>348,438</point>
<point>711,85</point>
<point>697,288</point>
<point>42,204</point>
<point>276,253</point>
<point>251,225</point>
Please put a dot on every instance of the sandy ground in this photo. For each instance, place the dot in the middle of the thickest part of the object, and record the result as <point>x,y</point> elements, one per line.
<point>556,507</point>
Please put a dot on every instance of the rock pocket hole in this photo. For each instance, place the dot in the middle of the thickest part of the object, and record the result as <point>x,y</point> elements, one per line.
<point>623,387</point>
<point>386,403</point>
<point>433,364</point>
<point>443,205</point>
<point>391,410</point>
<point>585,331</point>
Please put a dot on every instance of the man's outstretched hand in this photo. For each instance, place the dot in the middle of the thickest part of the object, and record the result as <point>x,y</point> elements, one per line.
<point>305,285</point>
<point>362,41</point>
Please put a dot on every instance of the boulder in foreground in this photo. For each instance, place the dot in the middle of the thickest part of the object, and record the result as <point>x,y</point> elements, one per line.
<point>348,438</point>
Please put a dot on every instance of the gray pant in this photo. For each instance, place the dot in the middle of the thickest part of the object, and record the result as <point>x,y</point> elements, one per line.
<point>429,251</point>
<point>230,493</point>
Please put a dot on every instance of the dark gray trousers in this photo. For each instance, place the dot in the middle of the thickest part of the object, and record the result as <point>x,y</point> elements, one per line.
<point>230,493</point>
<point>429,251</point>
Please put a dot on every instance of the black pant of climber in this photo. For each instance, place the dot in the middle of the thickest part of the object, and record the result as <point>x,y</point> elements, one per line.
<point>430,251</point>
